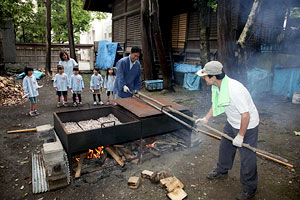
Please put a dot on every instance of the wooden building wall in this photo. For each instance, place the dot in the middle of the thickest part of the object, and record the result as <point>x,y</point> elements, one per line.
<point>126,23</point>
<point>183,32</point>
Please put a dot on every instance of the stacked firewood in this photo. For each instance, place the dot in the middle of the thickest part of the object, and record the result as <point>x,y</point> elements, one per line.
<point>10,92</point>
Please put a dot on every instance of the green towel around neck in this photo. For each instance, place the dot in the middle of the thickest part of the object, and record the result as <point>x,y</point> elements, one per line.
<point>220,99</point>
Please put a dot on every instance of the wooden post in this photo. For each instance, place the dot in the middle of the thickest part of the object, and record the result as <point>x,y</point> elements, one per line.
<point>146,46</point>
<point>160,46</point>
<point>70,31</point>
<point>48,37</point>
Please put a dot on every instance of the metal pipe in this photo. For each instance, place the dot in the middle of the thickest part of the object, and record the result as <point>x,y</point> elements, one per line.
<point>265,154</point>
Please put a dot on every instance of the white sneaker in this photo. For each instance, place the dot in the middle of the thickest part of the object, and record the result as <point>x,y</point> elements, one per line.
<point>101,103</point>
<point>95,103</point>
<point>32,114</point>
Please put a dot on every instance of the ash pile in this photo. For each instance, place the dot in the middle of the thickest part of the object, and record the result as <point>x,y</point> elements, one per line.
<point>10,92</point>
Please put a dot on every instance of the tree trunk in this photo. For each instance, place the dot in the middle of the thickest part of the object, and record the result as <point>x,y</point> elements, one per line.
<point>242,48</point>
<point>204,32</point>
<point>226,41</point>
<point>248,27</point>
<point>70,31</point>
<point>48,37</point>
<point>159,46</point>
<point>146,45</point>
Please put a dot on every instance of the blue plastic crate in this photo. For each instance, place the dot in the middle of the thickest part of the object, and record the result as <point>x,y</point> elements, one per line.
<point>152,85</point>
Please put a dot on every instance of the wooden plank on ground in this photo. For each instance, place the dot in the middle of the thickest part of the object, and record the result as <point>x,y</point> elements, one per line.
<point>166,180</point>
<point>177,194</point>
<point>133,182</point>
<point>174,184</point>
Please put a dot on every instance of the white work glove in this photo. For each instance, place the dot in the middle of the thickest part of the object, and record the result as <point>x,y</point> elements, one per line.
<point>126,89</point>
<point>201,120</point>
<point>135,92</point>
<point>39,86</point>
<point>238,140</point>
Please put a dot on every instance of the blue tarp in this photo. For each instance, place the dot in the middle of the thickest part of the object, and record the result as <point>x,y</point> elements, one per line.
<point>180,67</point>
<point>259,81</point>
<point>286,81</point>
<point>106,54</point>
<point>37,74</point>
<point>191,81</point>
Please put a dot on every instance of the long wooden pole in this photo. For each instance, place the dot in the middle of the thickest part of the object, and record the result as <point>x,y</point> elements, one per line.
<point>265,154</point>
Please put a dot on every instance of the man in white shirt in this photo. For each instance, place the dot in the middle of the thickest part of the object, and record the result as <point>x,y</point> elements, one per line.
<point>231,97</point>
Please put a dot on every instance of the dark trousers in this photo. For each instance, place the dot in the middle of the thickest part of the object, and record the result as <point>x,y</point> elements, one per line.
<point>74,97</point>
<point>99,97</point>
<point>248,173</point>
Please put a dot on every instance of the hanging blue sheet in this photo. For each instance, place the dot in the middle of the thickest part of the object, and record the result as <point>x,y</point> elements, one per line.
<point>180,67</point>
<point>259,81</point>
<point>191,81</point>
<point>106,54</point>
<point>286,81</point>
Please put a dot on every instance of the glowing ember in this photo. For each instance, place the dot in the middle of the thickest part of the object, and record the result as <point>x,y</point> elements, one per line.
<point>151,145</point>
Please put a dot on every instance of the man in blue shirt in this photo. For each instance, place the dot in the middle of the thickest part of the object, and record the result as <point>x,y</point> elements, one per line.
<point>128,78</point>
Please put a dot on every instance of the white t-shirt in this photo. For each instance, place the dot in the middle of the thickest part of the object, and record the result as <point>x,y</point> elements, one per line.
<point>240,102</point>
<point>68,66</point>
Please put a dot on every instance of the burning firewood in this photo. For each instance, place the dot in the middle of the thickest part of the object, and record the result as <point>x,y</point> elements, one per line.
<point>78,171</point>
<point>115,156</point>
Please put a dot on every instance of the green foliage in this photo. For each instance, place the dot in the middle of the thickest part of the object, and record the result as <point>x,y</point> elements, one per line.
<point>81,20</point>
<point>295,12</point>
<point>213,4</point>
<point>30,20</point>
<point>99,15</point>
<point>210,3</point>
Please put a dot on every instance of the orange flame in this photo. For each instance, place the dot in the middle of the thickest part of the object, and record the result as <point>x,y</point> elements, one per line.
<point>151,145</point>
<point>95,153</point>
